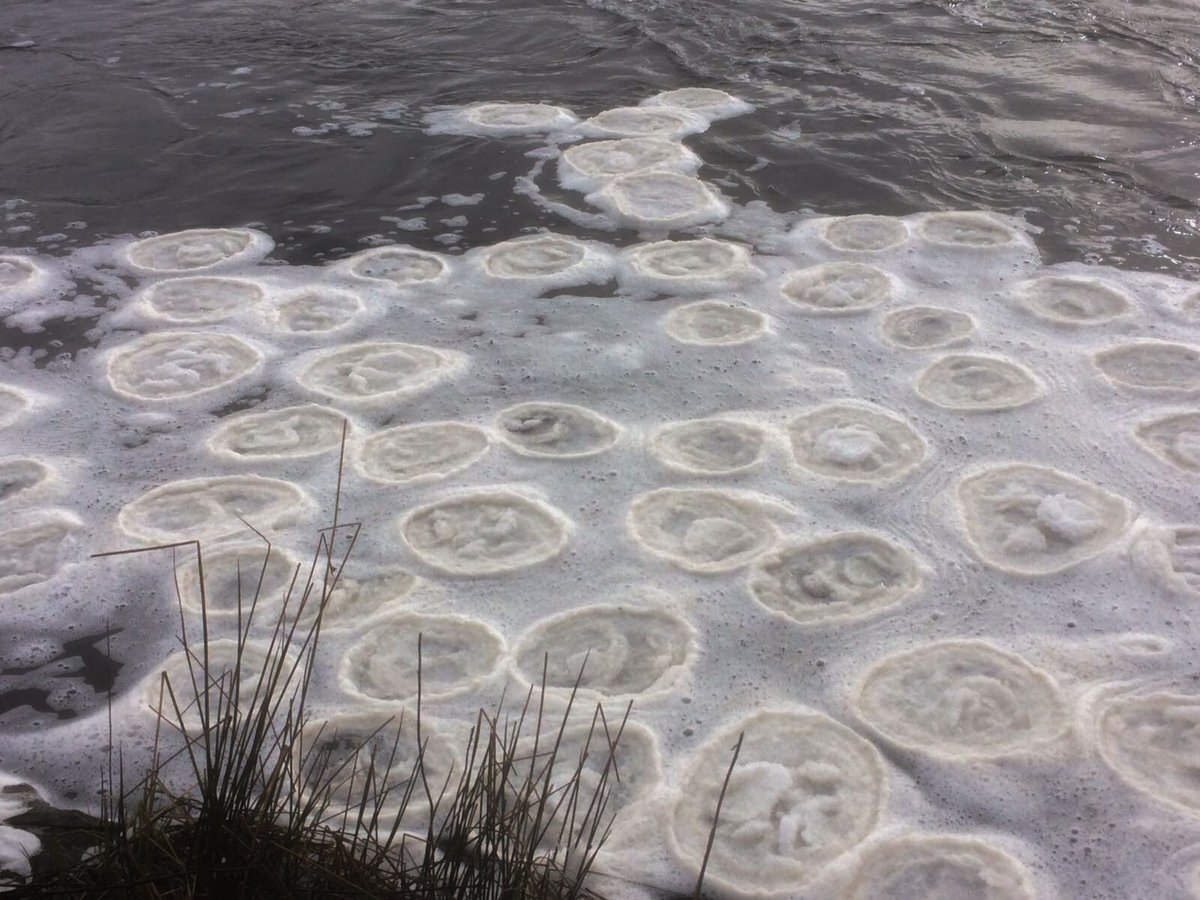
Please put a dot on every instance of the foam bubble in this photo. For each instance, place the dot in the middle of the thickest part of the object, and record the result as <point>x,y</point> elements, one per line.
<point>1151,365</point>
<point>288,433</point>
<point>1150,740</point>
<point>701,530</point>
<point>426,451</point>
<point>864,234</point>
<point>974,383</point>
<point>660,201</point>
<point>804,791</point>
<point>377,753</point>
<point>925,327</point>
<point>961,699</point>
<point>941,867</point>
<point>13,404</point>
<point>555,430</point>
<point>485,532</point>
<point>31,551</point>
<point>314,310</point>
<point>690,267</point>
<point>209,508</point>
<point>846,575</point>
<point>837,288</point>
<point>643,121</point>
<point>174,365</point>
<point>974,230</point>
<point>708,102</point>
<point>201,299</point>
<point>200,248</point>
<point>586,167</point>
<point>497,119</point>
<point>249,574</point>
<point>375,371</point>
<point>713,323</point>
<point>20,477</point>
<point>18,274</point>
<point>1069,300</point>
<point>1174,438</point>
<point>399,266</point>
<point>456,654</point>
<point>855,442</point>
<point>1035,520</point>
<point>709,446</point>
<point>1171,556</point>
<point>627,651</point>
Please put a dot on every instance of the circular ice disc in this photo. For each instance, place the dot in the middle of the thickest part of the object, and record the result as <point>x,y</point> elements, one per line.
<point>865,234</point>
<point>586,166</point>
<point>837,288</point>
<point>555,430</point>
<point>351,601</point>
<point>359,746</point>
<point>537,256</point>
<point>209,508</point>
<point>846,575</point>
<point>700,530</point>
<point>1151,366</point>
<point>974,383</point>
<point>1034,520</point>
<point>1152,742</point>
<point>641,121</point>
<point>288,433</point>
<point>12,404</point>
<point>1068,300</point>
<point>200,248</point>
<point>314,310</point>
<point>256,576</point>
<point>1174,438</point>
<point>211,667</point>
<point>202,298</point>
<point>1171,556</point>
<point>174,365</point>
<point>373,371</point>
<point>965,229</point>
<point>925,327</point>
<point>454,654</point>
<point>485,532</point>
<point>20,477</point>
<point>804,791</point>
<point>855,442</point>
<point>961,699</point>
<point>709,446</point>
<point>31,552</point>
<point>660,200</point>
<point>941,867</point>
<point>428,450</point>
<point>17,273</point>
<point>708,102</point>
<point>713,323</point>
<point>501,119</point>
<point>612,650</point>
<point>686,267</point>
<point>400,266</point>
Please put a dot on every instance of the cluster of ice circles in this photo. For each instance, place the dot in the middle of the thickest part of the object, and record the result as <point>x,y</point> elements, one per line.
<point>901,511</point>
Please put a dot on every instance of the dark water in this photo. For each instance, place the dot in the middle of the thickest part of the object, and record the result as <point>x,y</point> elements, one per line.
<point>305,116</point>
